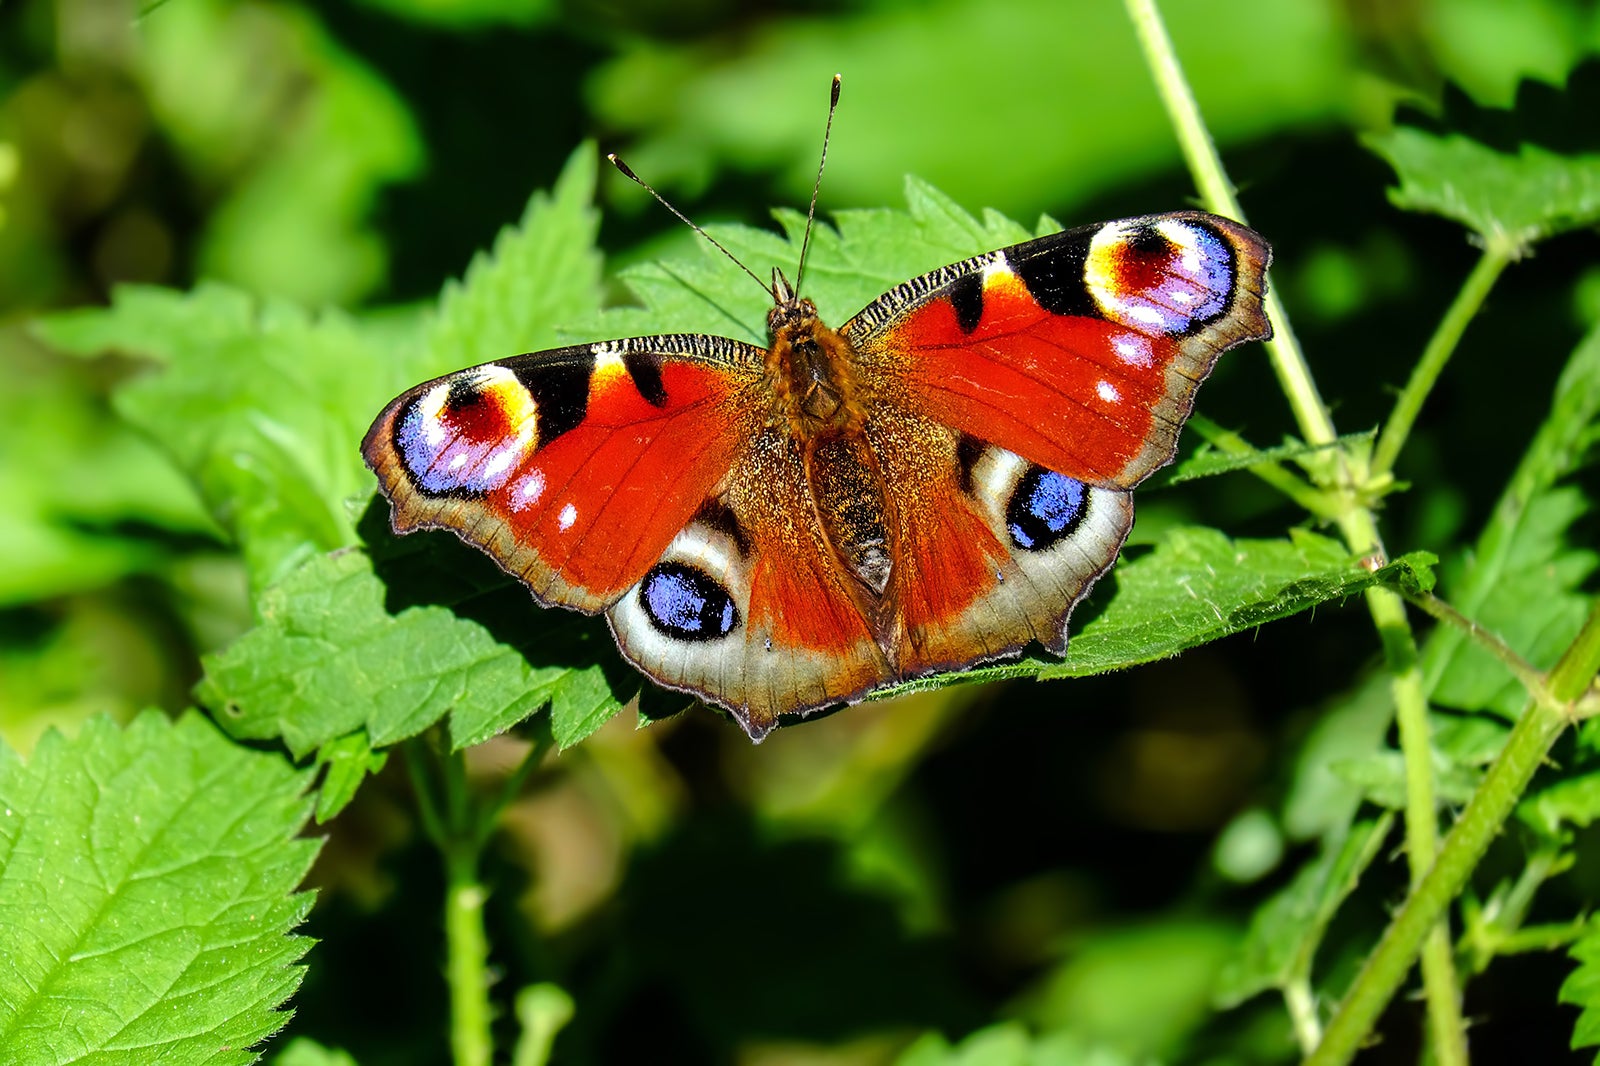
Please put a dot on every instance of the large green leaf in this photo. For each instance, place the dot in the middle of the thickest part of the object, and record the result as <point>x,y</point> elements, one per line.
<point>147,891</point>
<point>1063,109</point>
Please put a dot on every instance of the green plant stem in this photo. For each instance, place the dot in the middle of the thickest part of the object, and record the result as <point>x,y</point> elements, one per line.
<point>1505,783</point>
<point>1441,987</point>
<point>1575,675</point>
<point>467,966</point>
<point>1441,346</point>
<point>1356,523</point>
<point>449,817</point>
<point>1520,668</point>
<point>1301,1003</point>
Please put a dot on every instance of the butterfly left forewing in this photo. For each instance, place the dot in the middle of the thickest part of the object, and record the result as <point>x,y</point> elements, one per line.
<point>573,468</point>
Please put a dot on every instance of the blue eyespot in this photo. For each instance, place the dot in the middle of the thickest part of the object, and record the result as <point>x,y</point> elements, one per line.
<point>1045,509</point>
<point>686,603</point>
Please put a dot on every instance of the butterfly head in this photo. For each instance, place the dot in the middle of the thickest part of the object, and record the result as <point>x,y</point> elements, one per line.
<point>789,311</point>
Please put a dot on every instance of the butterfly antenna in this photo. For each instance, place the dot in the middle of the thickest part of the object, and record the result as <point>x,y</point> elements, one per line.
<point>811,212</point>
<point>628,173</point>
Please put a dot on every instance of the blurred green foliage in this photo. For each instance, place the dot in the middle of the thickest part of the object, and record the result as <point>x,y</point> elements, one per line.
<point>1106,870</point>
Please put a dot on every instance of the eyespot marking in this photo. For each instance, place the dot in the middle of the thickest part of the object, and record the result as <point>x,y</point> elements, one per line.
<point>1171,275</point>
<point>1045,509</point>
<point>467,434</point>
<point>686,603</point>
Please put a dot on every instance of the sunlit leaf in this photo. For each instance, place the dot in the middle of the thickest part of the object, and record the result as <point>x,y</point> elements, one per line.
<point>147,891</point>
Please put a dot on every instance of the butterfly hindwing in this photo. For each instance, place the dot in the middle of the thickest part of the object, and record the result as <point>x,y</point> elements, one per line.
<point>1081,350</point>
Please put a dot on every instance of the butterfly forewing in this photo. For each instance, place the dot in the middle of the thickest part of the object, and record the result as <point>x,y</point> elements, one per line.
<point>574,468</point>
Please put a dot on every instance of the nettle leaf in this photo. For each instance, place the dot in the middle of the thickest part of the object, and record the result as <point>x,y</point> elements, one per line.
<point>147,891</point>
<point>1208,461</point>
<point>1198,586</point>
<point>82,507</point>
<point>1494,178</point>
<point>852,261</point>
<point>260,404</point>
<point>330,659</point>
<point>1582,988</point>
<point>1286,931</point>
<point>1319,802</point>
<point>1524,578</point>
<point>350,760</point>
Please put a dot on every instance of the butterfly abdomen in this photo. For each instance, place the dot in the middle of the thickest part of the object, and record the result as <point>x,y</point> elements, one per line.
<point>847,492</point>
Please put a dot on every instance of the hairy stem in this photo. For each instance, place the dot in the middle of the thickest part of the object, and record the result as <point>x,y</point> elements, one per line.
<point>446,810</point>
<point>1520,668</point>
<point>1356,523</point>
<point>1391,960</point>
<point>1216,192</point>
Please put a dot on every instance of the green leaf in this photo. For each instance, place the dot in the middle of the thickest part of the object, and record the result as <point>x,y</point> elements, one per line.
<point>1572,802</point>
<point>291,133</point>
<point>1207,461</point>
<point>1320,802</point>
<point>1524,579</point>
<point>1198,586</point>
<point>1512,194</point>
<point>1281,944</point>
<point>1582,987</point>
<point>758,108</point>
<point>1381,778</point>
<point>854,261</point>
<point>1511,200</point>
<point>147,883</point>
<point>1142,988</point>
<point>82,507</point>
<point>329,658</point>
<point>350,760</point>
<point>262,406</point>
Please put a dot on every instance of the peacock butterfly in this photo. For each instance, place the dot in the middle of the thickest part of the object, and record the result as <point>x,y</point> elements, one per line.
<point>774,530</point>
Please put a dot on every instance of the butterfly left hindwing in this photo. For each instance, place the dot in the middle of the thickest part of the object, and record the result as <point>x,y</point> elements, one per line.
<point>934,484</point>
